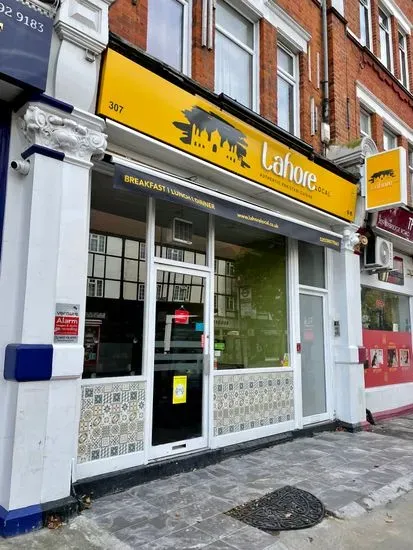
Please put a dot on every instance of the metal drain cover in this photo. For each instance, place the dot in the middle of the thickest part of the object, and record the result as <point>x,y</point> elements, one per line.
<point>280,510</point>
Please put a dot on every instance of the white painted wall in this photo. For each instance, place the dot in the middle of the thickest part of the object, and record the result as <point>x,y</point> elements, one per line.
<point>388,398</point>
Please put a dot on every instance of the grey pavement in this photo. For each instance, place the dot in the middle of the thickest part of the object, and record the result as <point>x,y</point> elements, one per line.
<point>352,474</point>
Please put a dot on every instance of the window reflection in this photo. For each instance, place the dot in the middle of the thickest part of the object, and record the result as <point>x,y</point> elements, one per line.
<point>250,301</point>
<point>384,310</point>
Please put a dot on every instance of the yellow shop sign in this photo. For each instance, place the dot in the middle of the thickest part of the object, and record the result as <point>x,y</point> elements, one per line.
<point>385,177</point>
<point>142,100</point>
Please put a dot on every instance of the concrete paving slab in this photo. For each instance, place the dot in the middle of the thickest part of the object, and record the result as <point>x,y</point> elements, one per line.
<point>248,538</point>
<point>351,474</point>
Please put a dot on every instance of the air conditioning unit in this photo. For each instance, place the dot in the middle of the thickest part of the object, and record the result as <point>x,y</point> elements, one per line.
<point>378,255</point>
<point>182,231</point>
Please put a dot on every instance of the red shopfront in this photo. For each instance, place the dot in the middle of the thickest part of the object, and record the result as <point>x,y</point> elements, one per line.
<point>386,316</point>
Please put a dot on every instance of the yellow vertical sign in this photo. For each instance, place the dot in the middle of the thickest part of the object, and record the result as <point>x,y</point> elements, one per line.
<point>385,177</point>
<point>179,390</point>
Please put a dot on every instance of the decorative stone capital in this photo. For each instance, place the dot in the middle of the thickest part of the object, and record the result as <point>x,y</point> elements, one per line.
<point>352,240</point>
<point>77,135</point>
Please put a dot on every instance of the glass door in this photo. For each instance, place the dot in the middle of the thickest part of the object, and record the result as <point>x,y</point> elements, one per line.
<point>313,363</point>
<point>181,361</point>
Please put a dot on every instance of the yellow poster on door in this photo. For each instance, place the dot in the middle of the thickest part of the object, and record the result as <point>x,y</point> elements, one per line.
<point>179,390</point>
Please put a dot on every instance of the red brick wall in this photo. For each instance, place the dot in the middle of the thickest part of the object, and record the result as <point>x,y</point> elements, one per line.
<point>308,14</point>
<point>268,71</point>
<point>348,63</point>
<point>352,14</point>
<point>129,21</point>
<point>203,67</point>
<point>377,130</point>
<point>395,46</point>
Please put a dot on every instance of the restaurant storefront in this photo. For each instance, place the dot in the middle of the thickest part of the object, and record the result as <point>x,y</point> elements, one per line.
<point>386,318</point>
<point>211,285</point>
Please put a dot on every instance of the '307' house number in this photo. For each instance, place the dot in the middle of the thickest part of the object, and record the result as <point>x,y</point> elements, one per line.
<point>32,22</point>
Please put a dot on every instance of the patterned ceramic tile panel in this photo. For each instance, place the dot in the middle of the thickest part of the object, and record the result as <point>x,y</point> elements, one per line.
<point>246,401</point>
<point>111,420</point>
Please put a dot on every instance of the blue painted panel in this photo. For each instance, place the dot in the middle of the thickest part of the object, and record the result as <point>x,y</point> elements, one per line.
<point>25,41</point>
<point>53,102</point>
<point>22,520</point>
<point>41,150</point>
<point>5,118</point>
<point>28,362</point>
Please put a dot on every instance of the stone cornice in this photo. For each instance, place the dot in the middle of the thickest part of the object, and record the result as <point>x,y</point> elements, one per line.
<point>84,23</point>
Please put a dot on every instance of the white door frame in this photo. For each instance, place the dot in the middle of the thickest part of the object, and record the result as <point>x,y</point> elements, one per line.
<point>206,272</point>
<point>327,415</point>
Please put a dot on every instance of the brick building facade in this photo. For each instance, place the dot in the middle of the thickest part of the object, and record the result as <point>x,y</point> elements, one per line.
<point>351,59</point>
<point>189,270</point>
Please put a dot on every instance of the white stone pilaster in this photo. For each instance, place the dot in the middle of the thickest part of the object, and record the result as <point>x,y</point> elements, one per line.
<point>83,28</point>
<point>349,373</point>
<point>53,208</point>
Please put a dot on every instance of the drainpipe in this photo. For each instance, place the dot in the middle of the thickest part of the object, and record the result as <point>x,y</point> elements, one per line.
<point>325,121</point>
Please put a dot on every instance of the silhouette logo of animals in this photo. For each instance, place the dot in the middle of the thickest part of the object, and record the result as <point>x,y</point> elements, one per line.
<point>382,174</point>
<point>209,133</point>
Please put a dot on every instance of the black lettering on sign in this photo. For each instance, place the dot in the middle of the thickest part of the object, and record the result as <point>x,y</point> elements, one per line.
<point>115,107</point>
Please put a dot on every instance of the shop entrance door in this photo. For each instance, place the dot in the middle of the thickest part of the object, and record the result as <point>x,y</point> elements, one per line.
<point>313,357</point>
<point>181,361</point>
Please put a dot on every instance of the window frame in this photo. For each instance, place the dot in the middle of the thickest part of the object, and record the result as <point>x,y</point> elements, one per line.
<point>390,133</point>
<point>294,80</point>
<point>186,37</point>
<point>388,31</point>
<point>181,292</point>
<point>365,112</point>
<point>403,57</point>
<point>365,5</point>
<point>254,52</point>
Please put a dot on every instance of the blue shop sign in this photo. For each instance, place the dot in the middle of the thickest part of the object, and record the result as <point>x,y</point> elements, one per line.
<point>25,38</point>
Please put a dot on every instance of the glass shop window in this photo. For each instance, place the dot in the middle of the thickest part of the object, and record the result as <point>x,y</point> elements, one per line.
<point>250,300</point>
<point>181,233</point>
<point>311,263</point>
<point>116,282</point>
<point>386,311</point>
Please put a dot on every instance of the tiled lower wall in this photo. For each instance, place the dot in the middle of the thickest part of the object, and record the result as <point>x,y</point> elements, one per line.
<point>111,420</point>
<point>246,401</point>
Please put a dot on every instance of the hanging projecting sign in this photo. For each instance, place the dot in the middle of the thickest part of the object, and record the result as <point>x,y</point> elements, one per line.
<point>25,38</point>
<point>396,221</point>
<point>385,177</point>
<point>140,99</point>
